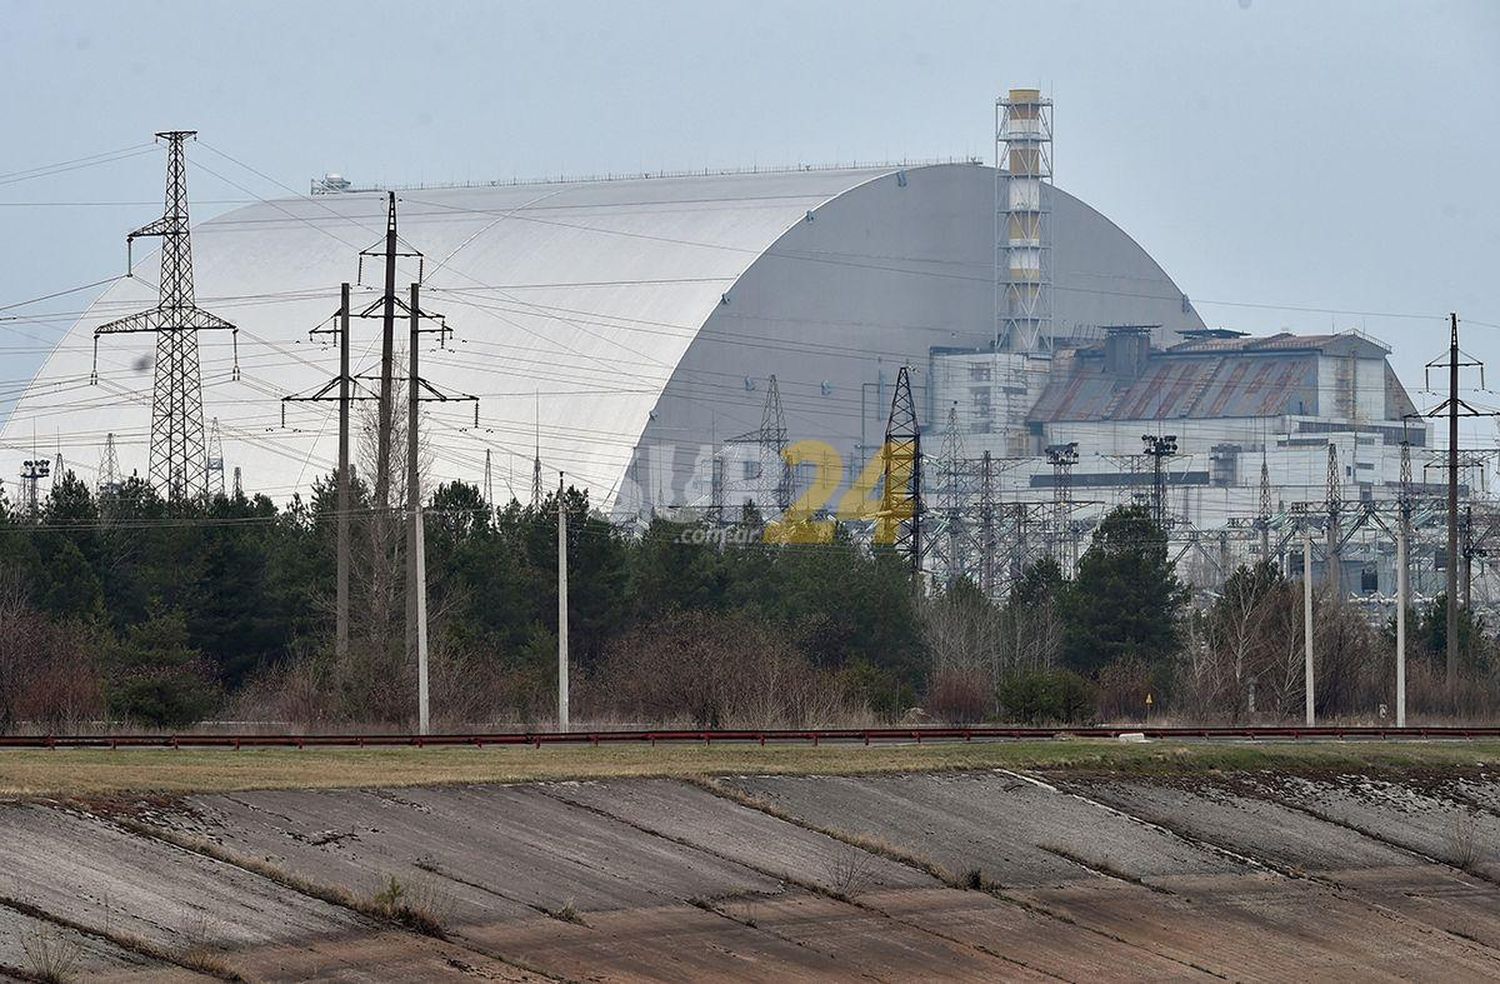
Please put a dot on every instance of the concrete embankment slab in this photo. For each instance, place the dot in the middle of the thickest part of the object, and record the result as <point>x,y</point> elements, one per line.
<point>1421,815</point>
<point>489,852</point>
<point>1199,808</point>
<point>33,945</point>
<point>689,813</point>
<point>1013,831</point>
<point>91,872</point>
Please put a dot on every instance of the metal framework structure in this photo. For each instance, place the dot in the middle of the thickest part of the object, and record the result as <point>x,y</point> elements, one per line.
<point>775,478</point>
<point>33,470</point>
<point>956,542</point>
<point>214,463</point>
<point>109,469</point>
<point>900,522</point>
<point>1159,448</point>
<point>1023,240</point>
<point>179,459</point>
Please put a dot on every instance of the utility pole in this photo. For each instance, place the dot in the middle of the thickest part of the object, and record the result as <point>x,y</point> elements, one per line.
<point>562,607</point>
<point>387,365</point>
<point>178,460</point>
<point>1454,406</point>
<point>341,616</point>
<point>1451,678</point>
<point>421,595</point>
<point>343,383</point>
<point>413,476</point>
<point>1401,589</point>
<point>1307,623</point>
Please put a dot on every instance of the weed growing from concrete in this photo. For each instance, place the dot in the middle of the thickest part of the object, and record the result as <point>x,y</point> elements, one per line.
<point>51,958</point>
<point>1464,848</point>
<point>416,910</point>
<point>848,870</point>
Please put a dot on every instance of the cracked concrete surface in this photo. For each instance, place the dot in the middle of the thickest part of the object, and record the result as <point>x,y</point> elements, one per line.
<point>944,876</point>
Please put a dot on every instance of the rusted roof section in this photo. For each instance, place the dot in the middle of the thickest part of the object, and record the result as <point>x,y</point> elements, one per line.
<point>1210,375</point>
<point>1343,343</point>
<point>1174,386</point>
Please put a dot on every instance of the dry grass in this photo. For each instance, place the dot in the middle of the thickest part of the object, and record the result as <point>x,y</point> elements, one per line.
<point>417,907</point>
<point>849,871</point>
<point>206,963</point>
<point>51,957</point>
<point>102,772</point>
<point>1464,848</point>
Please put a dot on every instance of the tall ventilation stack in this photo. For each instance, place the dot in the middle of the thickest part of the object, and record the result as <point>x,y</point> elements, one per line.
<point>1023,266</point>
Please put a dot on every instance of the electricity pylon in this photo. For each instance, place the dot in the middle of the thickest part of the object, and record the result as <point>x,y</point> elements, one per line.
<point>214,461</point>
<point>178,461</point>
<point>900,521</point>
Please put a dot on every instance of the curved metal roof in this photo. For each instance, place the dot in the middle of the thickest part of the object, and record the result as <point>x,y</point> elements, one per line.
<point>575,307</point>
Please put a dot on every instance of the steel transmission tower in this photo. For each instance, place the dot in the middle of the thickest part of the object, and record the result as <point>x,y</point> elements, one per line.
<point>179,459</point>
<point>951,546</point>
<point>1063,457</point>
<point>1334,506</point>
<point>771,438</point>
<point>987,538</point>
<point>900,521</point>
<point>109,468</point>
<point>536,459</point>
<point>214,462</point>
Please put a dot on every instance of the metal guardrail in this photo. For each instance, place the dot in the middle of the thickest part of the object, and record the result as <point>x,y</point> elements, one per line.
<point>866,736</point>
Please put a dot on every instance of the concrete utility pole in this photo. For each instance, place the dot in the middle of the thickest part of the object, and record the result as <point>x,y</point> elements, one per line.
<point>1401,588</point>
<point>1307,621</point>
<point>421,566</point>
<point>341,617</point>
<point>562,607</point>
<point>416,587</point>
<point>387,366</point>
<point>1452,647</point>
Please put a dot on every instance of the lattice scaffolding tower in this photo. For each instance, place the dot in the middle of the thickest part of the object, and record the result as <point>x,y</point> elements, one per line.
<point>1023,240</point>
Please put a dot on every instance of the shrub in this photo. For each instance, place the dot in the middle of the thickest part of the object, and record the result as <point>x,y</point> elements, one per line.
<point>1047,696</point>
<point>1123,686</point>
<point>717,671</point>
<point>958,695</point>
<point>157,679</point>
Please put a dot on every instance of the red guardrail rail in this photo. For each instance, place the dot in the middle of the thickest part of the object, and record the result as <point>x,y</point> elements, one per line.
<point>865,736</point>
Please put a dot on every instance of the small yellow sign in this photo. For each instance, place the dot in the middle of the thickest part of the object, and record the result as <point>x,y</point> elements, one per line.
<point>1148,700</point>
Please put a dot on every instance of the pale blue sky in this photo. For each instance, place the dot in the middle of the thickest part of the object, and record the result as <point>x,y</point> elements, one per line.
<point>1319,155</point>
